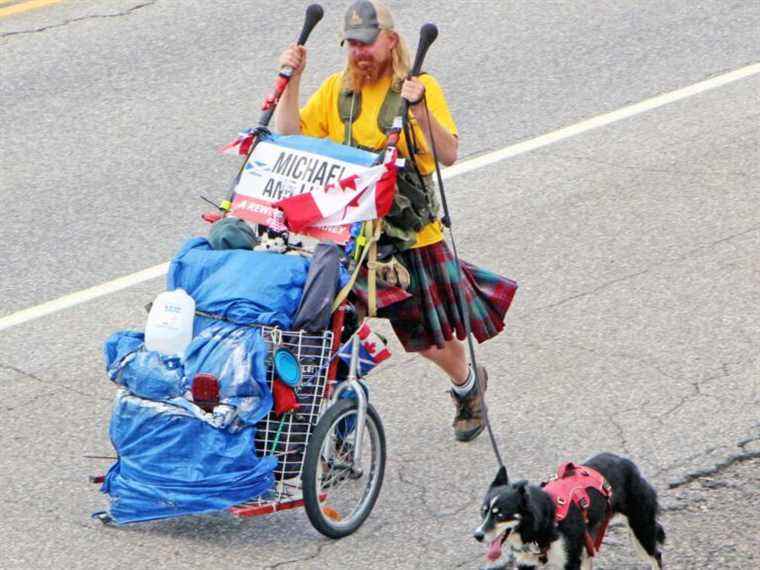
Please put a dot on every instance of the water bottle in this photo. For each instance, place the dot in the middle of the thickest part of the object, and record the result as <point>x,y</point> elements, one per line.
<point>170,323</point>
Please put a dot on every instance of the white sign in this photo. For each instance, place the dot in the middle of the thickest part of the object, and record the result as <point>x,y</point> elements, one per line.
<point>275,172</point>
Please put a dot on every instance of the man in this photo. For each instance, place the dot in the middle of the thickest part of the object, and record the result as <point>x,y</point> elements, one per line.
<point>355,107</point>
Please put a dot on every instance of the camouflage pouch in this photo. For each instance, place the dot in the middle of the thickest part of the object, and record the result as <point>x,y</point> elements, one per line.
<point>414,207</point>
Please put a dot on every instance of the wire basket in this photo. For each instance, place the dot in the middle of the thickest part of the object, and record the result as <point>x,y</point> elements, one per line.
<point>286,437</point>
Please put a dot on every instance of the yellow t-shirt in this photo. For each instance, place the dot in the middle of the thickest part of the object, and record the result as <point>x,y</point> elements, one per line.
<point>321,118</point>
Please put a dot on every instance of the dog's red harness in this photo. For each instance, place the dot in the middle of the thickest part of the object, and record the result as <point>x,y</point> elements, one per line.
<point>571,485</point>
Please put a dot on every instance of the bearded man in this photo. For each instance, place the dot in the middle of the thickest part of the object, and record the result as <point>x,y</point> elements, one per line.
<point>356,107</point>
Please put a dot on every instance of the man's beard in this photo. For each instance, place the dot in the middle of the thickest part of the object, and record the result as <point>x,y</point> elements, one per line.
<point>366,71</point>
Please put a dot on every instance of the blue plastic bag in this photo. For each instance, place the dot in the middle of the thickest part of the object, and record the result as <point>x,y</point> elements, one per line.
<point>173,458</point>
<point>144,373</point>
<point>243,287</point>
<point>172,463</point>
<point>236,357</point>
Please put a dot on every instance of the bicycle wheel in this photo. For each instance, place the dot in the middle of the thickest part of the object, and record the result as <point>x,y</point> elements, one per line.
<point>338,498</point>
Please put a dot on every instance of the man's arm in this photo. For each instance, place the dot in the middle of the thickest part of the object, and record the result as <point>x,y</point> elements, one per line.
<point>446,144</point>
<point>287,120</point>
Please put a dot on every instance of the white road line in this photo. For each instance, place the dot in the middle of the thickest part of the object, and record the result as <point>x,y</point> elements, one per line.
<point>79,297</point>
<point>603,120</point>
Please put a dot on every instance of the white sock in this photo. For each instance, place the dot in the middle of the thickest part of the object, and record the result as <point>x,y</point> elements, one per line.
<point>469,384</point>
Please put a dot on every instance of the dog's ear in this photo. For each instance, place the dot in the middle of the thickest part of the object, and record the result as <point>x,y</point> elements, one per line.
<point>502,478</point>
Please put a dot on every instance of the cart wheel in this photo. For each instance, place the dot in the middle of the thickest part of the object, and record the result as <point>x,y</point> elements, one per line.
<point>337,496</point>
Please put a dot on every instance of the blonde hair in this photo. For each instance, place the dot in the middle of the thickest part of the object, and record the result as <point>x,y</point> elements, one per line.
<point>400,65</point>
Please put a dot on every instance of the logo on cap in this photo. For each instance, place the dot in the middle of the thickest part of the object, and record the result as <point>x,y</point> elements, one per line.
<point>356,19</point>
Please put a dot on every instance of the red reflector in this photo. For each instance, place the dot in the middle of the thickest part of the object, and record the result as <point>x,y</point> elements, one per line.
<point>205,391</point>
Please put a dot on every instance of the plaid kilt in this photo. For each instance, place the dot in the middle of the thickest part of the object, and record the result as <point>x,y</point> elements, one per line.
<point>429,314</point>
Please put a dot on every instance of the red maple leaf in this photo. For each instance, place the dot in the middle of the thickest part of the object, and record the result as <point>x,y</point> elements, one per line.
<point>349,182</point>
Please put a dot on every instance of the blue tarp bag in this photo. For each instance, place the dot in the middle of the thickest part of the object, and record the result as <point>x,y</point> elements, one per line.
<point>144,373</point>
<point>240,286</point>
<point>173,463</point>
<point>173,458</point>
<point>236,357</point>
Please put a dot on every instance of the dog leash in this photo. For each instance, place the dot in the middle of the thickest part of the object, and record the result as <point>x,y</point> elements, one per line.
<point>460,292</point>
<point>428,34</point>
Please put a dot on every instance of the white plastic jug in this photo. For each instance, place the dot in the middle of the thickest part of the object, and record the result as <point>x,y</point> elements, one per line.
<point>170,323</point>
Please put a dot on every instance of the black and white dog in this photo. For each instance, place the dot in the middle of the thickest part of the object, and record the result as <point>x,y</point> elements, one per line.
<point>523,517</point>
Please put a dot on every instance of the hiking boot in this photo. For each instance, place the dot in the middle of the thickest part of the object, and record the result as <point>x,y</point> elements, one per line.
<point>468,422</point>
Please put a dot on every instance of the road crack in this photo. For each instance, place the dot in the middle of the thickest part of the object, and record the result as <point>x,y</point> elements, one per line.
<point>589,293</point>
<point>58,386</point>
<point>657,265</point>
<point>744,455</point>
<point>31,401</point>
<point>724,371</point>
<point>320,547</point>
<point>621,434</point>
<point>127,12</point>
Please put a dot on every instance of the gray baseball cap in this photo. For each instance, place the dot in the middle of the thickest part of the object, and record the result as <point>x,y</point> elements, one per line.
<point>365,19</point>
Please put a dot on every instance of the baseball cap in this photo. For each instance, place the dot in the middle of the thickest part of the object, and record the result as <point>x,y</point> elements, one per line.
<point>364,20</point>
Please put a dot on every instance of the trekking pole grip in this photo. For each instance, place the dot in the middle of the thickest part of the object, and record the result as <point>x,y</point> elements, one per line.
<point>314,14</point>
<point>428,34</point>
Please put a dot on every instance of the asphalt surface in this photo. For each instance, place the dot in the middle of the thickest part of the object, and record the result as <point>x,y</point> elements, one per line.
<point>635,246</point>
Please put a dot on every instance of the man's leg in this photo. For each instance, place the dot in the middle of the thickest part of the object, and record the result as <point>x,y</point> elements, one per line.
<point>465,393</point>
<point>451,359</point>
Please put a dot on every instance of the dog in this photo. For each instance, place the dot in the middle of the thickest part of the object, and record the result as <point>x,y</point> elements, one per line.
<point>525,516</point>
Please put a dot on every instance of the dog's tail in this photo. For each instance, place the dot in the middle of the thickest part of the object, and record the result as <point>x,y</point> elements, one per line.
<point>648,505</point>
<point>643,505</point>
<point>660,536</point>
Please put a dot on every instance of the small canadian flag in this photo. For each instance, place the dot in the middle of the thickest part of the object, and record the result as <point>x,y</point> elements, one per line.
<point>373,349</point>
<point>240,146</point>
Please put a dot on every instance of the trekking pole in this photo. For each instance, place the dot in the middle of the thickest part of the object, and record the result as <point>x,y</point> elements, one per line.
<point>428,34</point>
<point>314,14</point>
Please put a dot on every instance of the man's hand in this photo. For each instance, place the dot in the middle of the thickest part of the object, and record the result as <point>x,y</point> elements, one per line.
<point>295,58</point>
<point>287,119</point>
<point>413,90</point>
<point>447,145</point>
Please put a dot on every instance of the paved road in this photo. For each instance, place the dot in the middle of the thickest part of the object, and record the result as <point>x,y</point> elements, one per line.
<point>635,246</point>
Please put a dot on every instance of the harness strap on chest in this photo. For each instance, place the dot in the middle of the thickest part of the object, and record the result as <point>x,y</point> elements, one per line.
<point>414,204</point>
<point>570,485</point>
<point>350,108</point>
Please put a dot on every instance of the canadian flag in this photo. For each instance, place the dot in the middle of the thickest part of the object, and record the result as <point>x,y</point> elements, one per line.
<point>240,146</point>
<point>373,349</point>
<point>360,197</point>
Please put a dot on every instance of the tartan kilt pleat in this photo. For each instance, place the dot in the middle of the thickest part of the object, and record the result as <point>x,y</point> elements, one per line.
<point>433,314</point>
